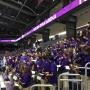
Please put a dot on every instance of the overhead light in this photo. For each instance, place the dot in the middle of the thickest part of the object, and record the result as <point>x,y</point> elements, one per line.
<point>52,36</point>
<point>39,40</point>
<point>86,25</point>
<point>62,33</point>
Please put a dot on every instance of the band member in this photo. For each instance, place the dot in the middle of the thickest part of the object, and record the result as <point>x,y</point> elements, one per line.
<point>52,74</point>
<point>64,62</point>
<point>39,64</point>
<point>46,63</point>
<point>24,57</point>
<point>25,78</point>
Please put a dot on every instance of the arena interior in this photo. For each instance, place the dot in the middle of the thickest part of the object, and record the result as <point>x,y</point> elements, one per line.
<point>44,44</point>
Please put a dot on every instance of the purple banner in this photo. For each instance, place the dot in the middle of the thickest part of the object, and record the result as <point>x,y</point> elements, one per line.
<point>7,41</point>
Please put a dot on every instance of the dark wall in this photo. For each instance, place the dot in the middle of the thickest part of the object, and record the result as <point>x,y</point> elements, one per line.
<point>8,47</point>
<point>45,35</point>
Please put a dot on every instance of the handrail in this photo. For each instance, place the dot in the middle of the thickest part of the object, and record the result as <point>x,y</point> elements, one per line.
<point>42,85</point>
<point>86,68</point>
<point>70,80</point>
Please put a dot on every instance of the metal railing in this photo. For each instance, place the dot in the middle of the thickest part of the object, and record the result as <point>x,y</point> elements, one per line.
<point>68,81</point>
<point>87,81</point>
<point>85,77</point>
<point>42,85</point>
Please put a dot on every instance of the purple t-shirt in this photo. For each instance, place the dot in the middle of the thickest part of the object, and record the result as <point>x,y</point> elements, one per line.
<point>24,58</point>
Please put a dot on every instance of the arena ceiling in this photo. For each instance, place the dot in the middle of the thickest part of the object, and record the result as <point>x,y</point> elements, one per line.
<point>17,15</point>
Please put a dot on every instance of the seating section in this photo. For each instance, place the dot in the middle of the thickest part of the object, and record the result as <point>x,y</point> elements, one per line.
<point>64,65</point>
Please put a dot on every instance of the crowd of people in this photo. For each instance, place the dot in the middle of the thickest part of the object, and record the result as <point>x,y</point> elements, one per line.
<point>64,56</point>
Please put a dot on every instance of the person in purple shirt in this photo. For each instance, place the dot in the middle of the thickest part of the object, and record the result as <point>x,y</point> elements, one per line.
<point>64,62</point>
<point>46,64</point>
<point>25,77</point>
<point>24,58</point>
<point>52,74</point>
<point>39,64</point>
<point>59,56</point>
<point>9,61</point>
<point>88,43</point>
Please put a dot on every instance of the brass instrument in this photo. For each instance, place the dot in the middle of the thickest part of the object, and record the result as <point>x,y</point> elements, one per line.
<point>74,67</point>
